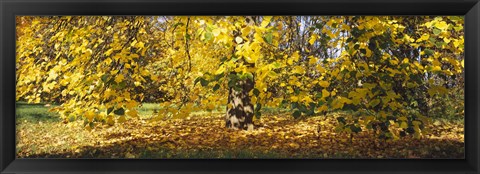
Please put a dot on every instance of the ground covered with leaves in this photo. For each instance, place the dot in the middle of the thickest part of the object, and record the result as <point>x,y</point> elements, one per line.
<point>276,135</point>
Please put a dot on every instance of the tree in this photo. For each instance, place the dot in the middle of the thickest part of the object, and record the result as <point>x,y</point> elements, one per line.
<point>388,70</point>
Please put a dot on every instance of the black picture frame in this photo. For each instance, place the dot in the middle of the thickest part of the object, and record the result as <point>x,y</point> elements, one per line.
<point>11,8</point>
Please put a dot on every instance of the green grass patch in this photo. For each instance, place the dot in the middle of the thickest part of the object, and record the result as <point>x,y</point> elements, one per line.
<point>35,113</point>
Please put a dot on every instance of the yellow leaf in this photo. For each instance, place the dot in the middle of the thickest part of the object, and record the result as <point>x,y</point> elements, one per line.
<point>322,108</point>
<point>416,123</point>
<point>265,21</point>
<point>320,69</point>
<point>312,60</point>
<point>238,39</point>
<point>423,37</point>
<point>137,83</point>
<point>369,118</point>
<point>131,104</point>
<point>110,120</point>
<point>140,45</point>
<point>119,78</point>
<point>307,99</point>
<point>145,73</point>
<point>446,40</point>
<point>114,72</point>
<point>436,68</point>
<point>108,52</point>
<point>298,69</point>
<point>368,52</point>
<point>325,93</point>
<point>294,98</point>
<point>333,93</point>
<point>129,155</point>
<point>122,119</point>
<point>132,113</point>
<point>324,84</point>
<point>336,71</point>
<point>294,145</point>
<point>216,32</point>
<point>295,56</point>
<point>220,70</point>
<point>441,25</point>
<point>337,104</point>
<point>313,38</point>
<point>90,115</point>
<point>290,61</point>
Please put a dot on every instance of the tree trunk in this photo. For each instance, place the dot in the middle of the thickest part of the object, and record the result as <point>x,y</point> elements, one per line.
<point>240,108</point>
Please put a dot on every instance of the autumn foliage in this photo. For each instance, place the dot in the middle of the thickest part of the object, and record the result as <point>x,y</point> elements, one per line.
<point>393,73</point>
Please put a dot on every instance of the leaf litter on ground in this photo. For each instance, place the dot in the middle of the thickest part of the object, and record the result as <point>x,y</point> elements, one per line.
<point>275,136</point>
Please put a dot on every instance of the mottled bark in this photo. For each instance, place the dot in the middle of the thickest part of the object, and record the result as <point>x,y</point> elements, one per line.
<point>240,108</point>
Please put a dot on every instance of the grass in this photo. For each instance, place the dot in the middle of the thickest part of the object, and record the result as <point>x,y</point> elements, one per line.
<point>148,108</point>
<point>34,113</point>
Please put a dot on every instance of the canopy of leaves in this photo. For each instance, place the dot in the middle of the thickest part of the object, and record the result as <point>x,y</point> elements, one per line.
<point>387,69</point>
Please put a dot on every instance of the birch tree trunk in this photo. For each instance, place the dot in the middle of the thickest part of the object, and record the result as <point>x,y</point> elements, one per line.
<point>240,108</point>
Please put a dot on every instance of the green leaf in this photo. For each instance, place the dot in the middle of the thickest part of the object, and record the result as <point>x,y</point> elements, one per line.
<point>203,82</point>
<point>356,46</point>
<point>439,44</point>
<point>258,106</point>
<point>121,85</point>
<point>71,118</point>
<point>208,36</point>
<point>218,77</point>
<point>341,120</point>
<point>223,59</point>
<point>120,111</point>
<point>269,37</point>
<point>363,51</point>
<point>216,87</point>
<point>258,114</point>
<point>436,31</point>
<point>349,39</point>
<point>302,108</point>
<point>374,102</point>
<point>429,52</point>
<point>355,129</point>
<point>109,110</point>
<point>105,78</point>
<point>249,75</point>
<point>296,114</point>
<point>196,80</point>
<point>294,105</point>
<point>256,92</point>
